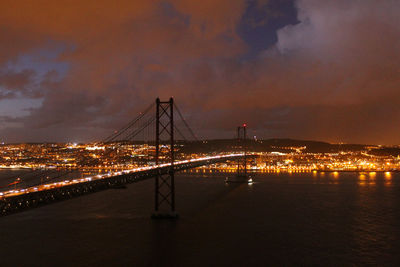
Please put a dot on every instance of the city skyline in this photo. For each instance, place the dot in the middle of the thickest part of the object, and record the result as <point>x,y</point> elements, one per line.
<point>289,69</point>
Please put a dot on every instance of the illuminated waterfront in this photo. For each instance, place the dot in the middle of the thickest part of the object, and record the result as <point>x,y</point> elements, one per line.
<point>270,157</point>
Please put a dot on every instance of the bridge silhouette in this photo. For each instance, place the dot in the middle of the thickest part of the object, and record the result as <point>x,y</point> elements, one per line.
<point>161,165</point>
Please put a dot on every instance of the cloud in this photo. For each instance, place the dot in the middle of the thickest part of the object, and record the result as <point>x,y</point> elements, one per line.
<point>16,83</point>
<point>346,52</point>
<point>324,78</point>
<point>335,74</point>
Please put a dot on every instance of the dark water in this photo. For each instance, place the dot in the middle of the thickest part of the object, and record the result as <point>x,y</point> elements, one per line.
<point>282,219</point>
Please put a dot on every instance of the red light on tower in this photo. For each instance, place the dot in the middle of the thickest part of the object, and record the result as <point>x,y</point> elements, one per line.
<point>244,124</point>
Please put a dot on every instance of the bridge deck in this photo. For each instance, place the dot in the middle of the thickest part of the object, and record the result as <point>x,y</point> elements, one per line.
<point>18,200</point>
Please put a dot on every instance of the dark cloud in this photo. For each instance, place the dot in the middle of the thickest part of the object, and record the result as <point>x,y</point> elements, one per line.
<point>332,76</point>
<point>13,83</point>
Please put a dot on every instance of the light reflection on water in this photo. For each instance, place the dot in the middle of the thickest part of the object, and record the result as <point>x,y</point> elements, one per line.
<point>327,219</point>
<point>388,179</point>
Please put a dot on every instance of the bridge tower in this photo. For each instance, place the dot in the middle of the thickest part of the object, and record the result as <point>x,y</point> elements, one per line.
<point>242,142</point>
<point>165,183</point>
<point>241,169</point>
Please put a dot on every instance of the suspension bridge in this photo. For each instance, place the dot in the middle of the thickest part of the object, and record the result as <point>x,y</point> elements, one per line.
<point>160,163</point>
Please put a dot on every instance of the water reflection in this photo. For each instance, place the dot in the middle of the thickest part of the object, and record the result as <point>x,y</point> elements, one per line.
<point>315,174</point>
<point>372,176</point>
<point>317,224</point>
<point>388,178</point>
<point>362,180</point>
<point>373,216</point>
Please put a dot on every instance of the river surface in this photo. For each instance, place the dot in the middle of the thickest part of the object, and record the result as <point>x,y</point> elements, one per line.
<point>294,219</point>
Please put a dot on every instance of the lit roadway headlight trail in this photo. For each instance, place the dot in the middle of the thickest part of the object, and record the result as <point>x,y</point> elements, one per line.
<point>49,186</point>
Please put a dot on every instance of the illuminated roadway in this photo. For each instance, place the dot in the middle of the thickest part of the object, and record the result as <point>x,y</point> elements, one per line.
<point>15,200</point>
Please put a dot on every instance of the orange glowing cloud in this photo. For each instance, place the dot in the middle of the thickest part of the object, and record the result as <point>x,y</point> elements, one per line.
<point>333,76</point>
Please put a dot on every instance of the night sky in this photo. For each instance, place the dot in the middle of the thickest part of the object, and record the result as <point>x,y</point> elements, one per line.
<point>73,70</point>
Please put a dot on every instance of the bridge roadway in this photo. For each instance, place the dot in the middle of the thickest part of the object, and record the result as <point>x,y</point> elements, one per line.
<point>18,200</point>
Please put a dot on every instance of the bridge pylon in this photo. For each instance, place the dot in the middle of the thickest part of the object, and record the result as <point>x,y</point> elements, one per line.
<point>165,183</point>
<point>242,142</point>
<point>241,169</point>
